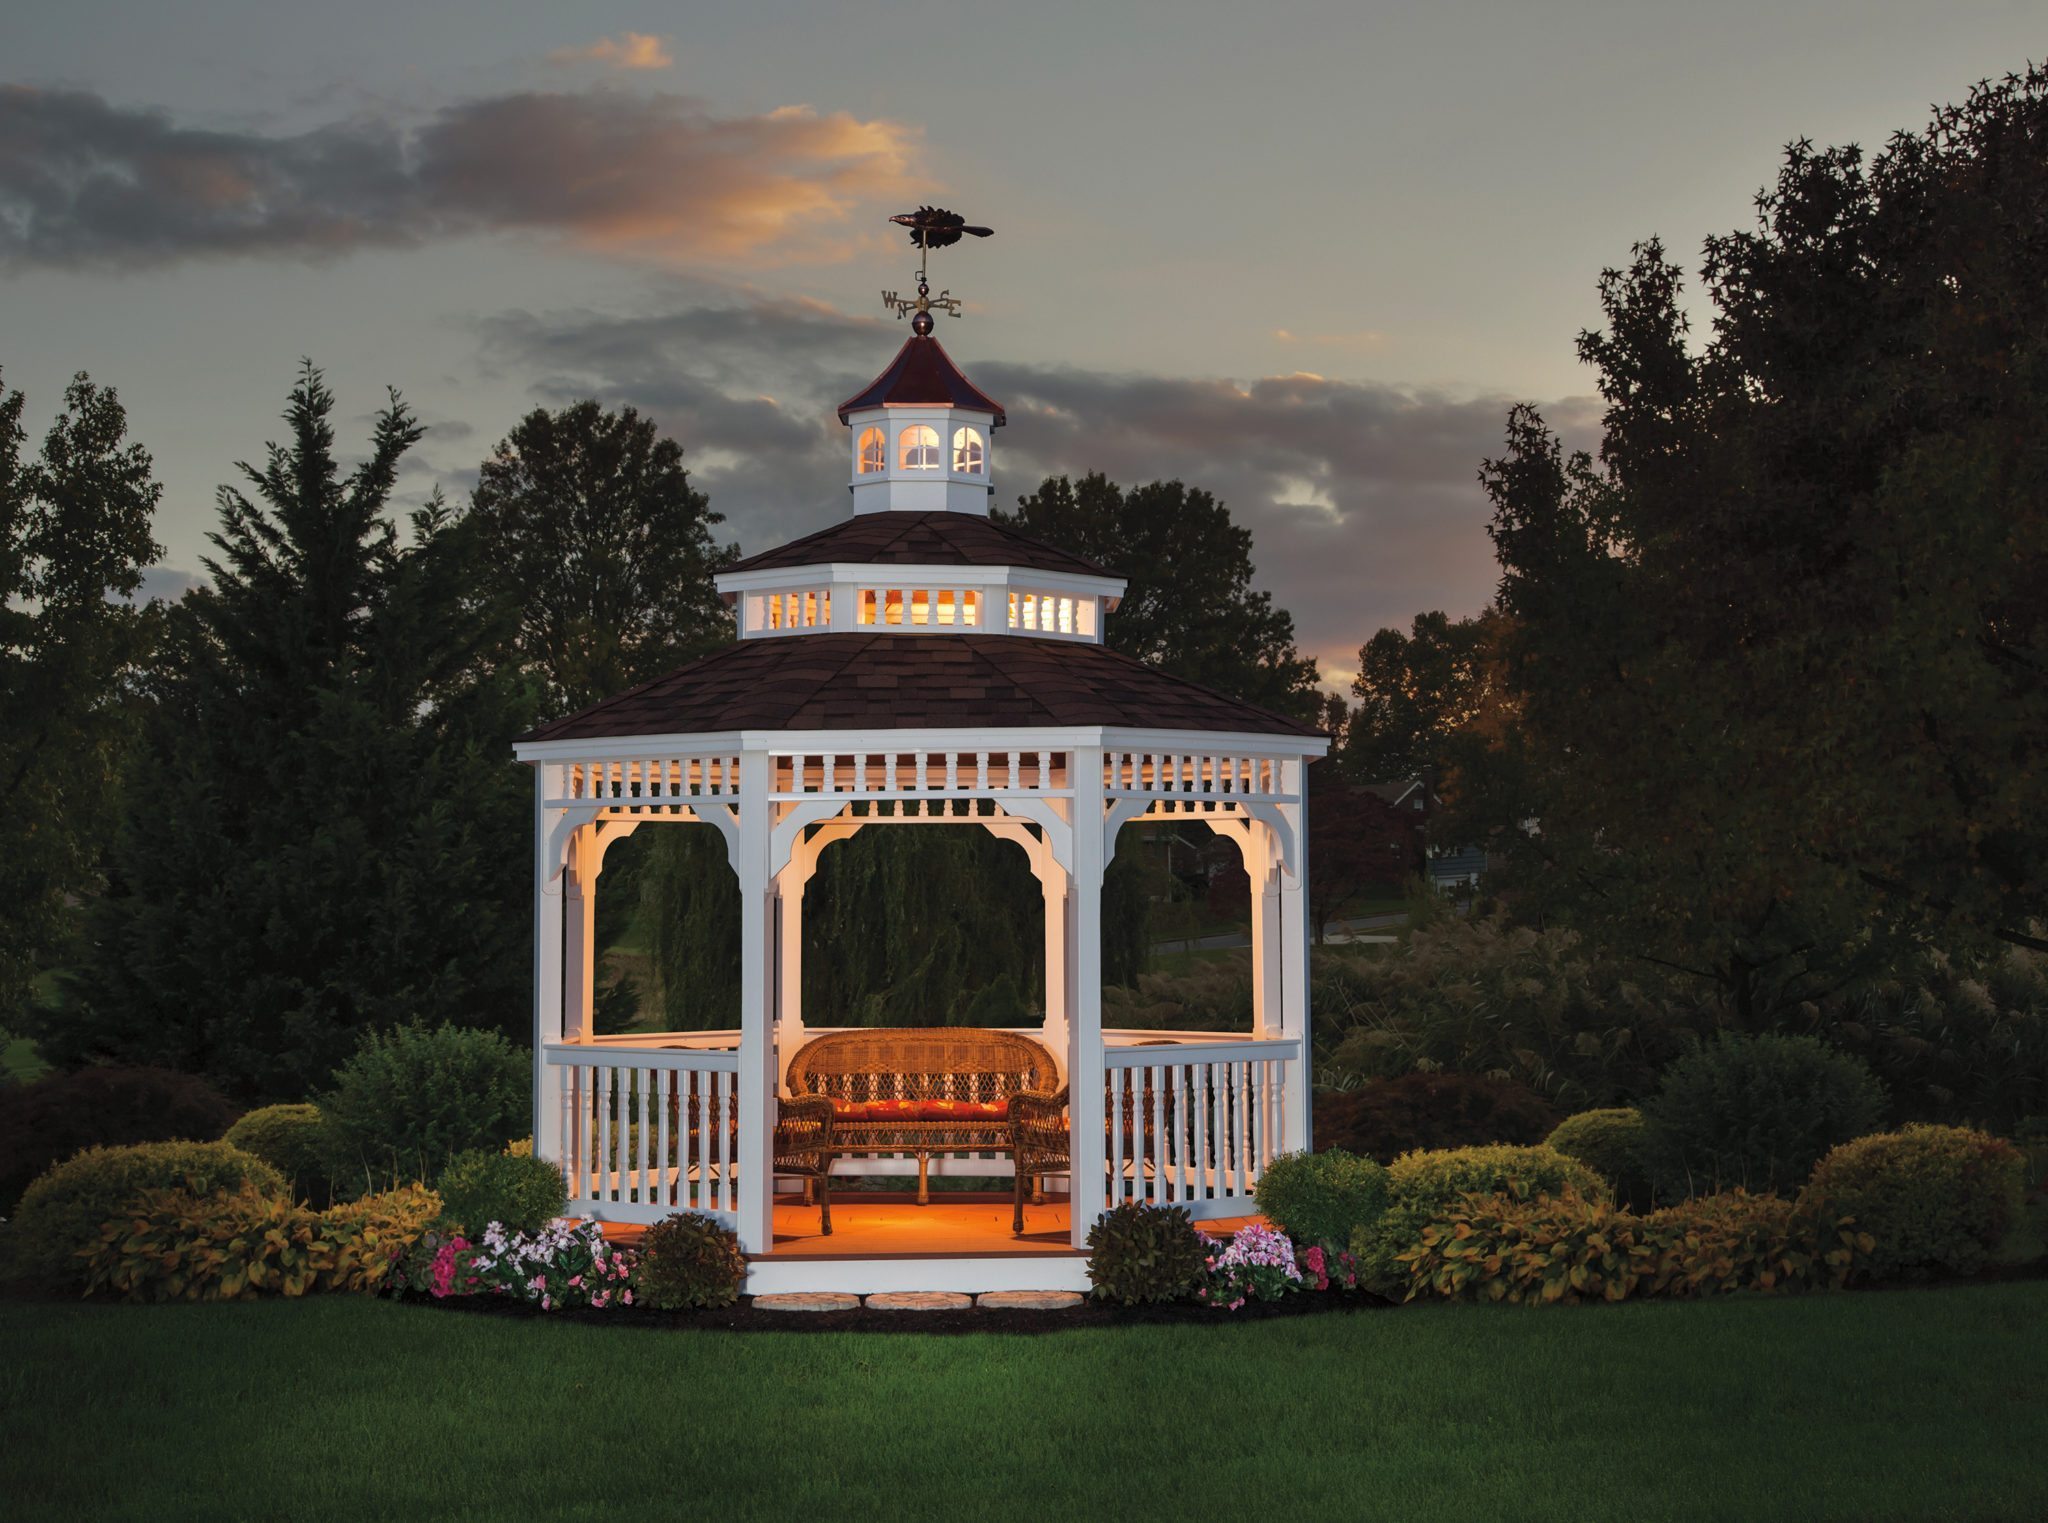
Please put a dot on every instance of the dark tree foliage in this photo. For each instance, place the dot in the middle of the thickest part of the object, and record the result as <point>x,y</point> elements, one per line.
<point>74,537</point>
<point>1190,608</point>
<point>1784,651</point>
<point>324,834</point>
<point>1416,692</point>
<point>1356,841</point>
<point>599,544</point>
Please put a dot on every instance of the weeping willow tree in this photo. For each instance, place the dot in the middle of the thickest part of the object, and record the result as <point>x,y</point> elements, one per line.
<point>902,927</point>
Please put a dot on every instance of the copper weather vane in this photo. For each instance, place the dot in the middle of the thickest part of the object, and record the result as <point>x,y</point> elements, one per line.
<point>931,227</point>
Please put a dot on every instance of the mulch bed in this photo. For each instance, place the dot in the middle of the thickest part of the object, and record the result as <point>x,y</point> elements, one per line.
<point>746,1318</point>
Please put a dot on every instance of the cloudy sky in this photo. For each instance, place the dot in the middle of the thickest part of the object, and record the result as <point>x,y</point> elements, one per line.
<point>1303,254</point>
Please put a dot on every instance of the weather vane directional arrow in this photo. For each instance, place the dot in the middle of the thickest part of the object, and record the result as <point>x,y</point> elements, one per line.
<point>931,227</point>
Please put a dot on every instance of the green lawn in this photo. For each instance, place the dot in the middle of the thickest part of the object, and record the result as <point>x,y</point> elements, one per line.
<point>1901,1405</point>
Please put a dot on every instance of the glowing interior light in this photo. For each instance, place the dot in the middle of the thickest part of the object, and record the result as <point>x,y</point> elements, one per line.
<point>920,448</point>
<point>865,614</point>
<point>968,457</point>
<point>892,607</point>
<point>920,606</point>
<point>874,452</point>
<point>970,611</point>
<point>942,608</point>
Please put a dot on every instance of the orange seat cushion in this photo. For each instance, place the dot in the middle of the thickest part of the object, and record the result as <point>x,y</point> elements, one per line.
<point>964,1110</point>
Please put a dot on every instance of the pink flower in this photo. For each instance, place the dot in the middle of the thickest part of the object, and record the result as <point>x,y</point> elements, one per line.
<point>628,1297</point>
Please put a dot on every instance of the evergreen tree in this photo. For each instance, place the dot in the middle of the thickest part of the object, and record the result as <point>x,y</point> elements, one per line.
<point>74,537</point>
<point>325,833</point>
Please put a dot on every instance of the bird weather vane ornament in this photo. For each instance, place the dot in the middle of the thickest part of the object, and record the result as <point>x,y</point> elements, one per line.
<point>931,227</point>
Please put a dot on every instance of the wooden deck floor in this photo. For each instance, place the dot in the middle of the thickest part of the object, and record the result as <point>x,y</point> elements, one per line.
<point>891,1225</point>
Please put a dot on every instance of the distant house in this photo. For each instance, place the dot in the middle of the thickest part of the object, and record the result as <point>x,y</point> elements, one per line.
<point>1449,869</point>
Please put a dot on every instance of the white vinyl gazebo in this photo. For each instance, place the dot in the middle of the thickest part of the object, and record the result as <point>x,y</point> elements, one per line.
<point>916,665</point>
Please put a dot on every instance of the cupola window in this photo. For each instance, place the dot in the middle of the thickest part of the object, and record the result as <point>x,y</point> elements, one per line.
<point>920,448</point>
<point>967,452</point>
<point>874,452</point>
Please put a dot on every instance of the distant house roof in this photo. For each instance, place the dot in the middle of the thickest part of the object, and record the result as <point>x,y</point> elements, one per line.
<point>921,539</point>
<point>922,375</point>
<point>855,681</point>
<point>1394,793</point>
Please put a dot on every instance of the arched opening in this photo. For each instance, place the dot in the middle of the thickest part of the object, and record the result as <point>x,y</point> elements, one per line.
<point>872,455</point>
<point>1177,932</point>
<point>920,448</point>
<point>969,458</point>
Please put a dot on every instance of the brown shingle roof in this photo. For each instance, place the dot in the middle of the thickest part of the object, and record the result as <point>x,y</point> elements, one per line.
<point>922,374</point>
<point>899,681</point>
<point>892,537</point>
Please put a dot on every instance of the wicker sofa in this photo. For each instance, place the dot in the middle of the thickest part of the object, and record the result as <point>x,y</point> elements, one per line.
<point>921,1090</point>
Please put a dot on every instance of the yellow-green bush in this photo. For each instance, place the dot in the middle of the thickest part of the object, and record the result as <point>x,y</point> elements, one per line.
<point>290,1139</point>
<point>368,1235</point>
<point>63,1211</point>
<point>1568,1249</point>
<point>1423,1184</point>
<point>174,1245</point>
<point>234,1245</point>
<point>1935,1198</point>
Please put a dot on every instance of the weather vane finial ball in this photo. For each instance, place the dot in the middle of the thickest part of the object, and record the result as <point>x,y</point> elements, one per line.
<point>931,227</point>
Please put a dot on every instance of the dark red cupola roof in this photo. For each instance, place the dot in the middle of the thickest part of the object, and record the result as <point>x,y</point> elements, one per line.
<point>922,375</point>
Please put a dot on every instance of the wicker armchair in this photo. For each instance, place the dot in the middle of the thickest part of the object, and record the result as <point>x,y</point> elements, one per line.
<point>804,1149</point>
<point>1040,1139</point>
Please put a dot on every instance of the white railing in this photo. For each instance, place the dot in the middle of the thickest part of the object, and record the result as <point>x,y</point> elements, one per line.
<point>1173,776</point>
<point>647,1132</point>
<point>911,776</point>
<point>649,782</point>
<point>1195,1124</point>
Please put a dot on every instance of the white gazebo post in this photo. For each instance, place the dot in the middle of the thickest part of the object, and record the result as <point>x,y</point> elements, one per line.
<point>755,1086</point>
<point>1293,958</point>
<point>579,916</point>
<point>1085,1072</point>
<point>1052,880</point>
<point>547,959</point>
<point>1269,968</point>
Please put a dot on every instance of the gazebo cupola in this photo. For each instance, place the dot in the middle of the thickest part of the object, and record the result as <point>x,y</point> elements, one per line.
<point>920,436</point>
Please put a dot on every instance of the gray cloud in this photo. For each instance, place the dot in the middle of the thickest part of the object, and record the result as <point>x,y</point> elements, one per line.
<point>1362,498</point>
<point>653,176</point>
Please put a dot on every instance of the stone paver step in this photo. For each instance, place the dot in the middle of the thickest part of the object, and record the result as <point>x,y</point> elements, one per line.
<point>919,1300</point>
<point>809,1300</point>
<point>1028,1300</point>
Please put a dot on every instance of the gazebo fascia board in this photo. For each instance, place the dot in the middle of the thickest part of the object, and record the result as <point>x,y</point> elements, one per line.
<point>965,738</point>
<point>932,573</point>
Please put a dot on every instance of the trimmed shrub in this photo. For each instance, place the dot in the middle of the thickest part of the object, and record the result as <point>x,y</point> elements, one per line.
<point>46,1121</point>
<point>1322,1197</point>
<point>62,1213</point>
<point>412,1098</point>
<point>1422,1186</point>
<point>1139,1253</point>
<point>689,1260</point>
<point>1934,1198</point>
<point>1756,1111</point>
<point>1569,1249</point>
<point>520,1193</point>
<point>1610,1143</point>
<point>291,1139</point>
<point>1385,1118</point>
